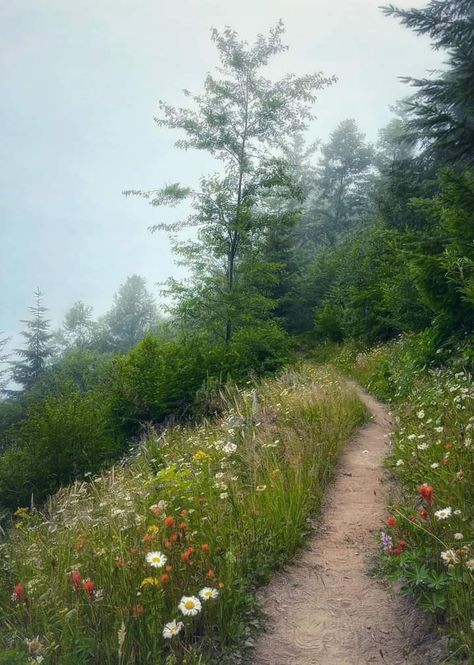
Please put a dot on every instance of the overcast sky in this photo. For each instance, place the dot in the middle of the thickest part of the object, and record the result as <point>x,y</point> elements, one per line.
<point>79,84</point>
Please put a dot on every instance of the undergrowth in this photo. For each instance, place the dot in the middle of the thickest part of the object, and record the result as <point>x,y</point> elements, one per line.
<point>157,560</point>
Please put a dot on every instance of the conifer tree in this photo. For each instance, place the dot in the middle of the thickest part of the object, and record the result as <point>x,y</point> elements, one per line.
<point>38,350</point>
<point>78,327</point>
<point>343,184</point>
<point>442,108</point>
<point>133,314</point>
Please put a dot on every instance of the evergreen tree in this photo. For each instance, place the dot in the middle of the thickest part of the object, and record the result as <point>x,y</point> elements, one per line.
<point>239,119</point>
<point>3,361</point>
<point>38,350</point>
<point>442,108</point>
<point>343,185</point>
<point>133,314</point>
<point>78,327</point>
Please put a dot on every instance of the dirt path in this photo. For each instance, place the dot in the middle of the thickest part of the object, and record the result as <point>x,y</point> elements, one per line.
<point>326,609</point>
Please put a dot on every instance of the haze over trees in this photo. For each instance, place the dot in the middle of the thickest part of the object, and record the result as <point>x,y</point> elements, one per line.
<point>288,244</point>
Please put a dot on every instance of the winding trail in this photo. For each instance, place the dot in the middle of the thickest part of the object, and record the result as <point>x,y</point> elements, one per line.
<point>326,609</point>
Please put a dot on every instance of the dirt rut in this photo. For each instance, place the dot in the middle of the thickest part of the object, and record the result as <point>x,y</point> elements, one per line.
<point>326,609</point>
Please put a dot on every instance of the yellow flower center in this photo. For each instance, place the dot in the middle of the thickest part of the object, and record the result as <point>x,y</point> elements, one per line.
<point>189,604</point>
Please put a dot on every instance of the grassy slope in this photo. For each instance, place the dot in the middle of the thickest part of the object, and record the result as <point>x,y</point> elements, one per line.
<point>236,497</point>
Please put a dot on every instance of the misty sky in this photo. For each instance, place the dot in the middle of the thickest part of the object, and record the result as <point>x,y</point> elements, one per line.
<point>79,82</point>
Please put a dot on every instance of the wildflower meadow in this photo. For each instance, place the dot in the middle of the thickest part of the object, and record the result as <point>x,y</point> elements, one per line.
<point>157,560</point>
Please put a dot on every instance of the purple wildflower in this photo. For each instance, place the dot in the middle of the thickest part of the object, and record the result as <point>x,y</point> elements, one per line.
<point>386,541</point>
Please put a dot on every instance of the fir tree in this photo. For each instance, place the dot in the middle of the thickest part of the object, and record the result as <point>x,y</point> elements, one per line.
<point>133,314</point>
<point>442,108</point>
<point>38,350</point>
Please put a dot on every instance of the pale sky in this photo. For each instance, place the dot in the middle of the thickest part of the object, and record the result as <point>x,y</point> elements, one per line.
<point>79,84</point>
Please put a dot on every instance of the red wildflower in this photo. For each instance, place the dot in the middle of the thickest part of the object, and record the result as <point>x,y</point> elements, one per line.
<point>187,554</point>
<point>210,574</point>
<point>76,579</point>
<point>205,548</point>
<point>89,587</point>
<point>174,537</point>
<point>424,514</point>
<point>184,512</point>
<point>391,521</point>
<point>169,568</point>
<point>165,578</point>
<point>137,610</point>
<point>19,593</point>
<point>148,538</point>
<point>402,544</point>
<point>183,526</point>
<point>426,491</point>
<point>170,522</point>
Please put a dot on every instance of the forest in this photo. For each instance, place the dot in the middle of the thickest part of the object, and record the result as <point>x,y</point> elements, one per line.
<point>124,435</point>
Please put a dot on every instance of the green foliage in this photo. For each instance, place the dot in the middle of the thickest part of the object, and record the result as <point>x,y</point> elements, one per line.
<point>61,438</point>
<point>156,379</point>
<point>13,658</point>
<point>241,118</point>
<point>387,281</point>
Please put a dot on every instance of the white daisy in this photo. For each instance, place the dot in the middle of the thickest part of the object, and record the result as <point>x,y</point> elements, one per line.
<point>172,628</point>
<point>189,606</point>
<point>470,564</point>
<point>449,557</point>
<point>458,536</point>
<point>156,559</point>
<point>444,513</point>
<point>209,594</point>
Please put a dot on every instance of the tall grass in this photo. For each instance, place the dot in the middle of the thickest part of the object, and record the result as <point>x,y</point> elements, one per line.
<point>226,502</point>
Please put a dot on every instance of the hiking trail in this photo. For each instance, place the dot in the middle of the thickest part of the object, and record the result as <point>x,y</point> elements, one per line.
<point>325,608</point>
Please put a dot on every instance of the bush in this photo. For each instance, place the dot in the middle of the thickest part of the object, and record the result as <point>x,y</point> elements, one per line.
<point>61,438</point>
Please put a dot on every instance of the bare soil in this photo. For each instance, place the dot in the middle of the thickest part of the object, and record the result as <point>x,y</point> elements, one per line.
<point>327,609</point>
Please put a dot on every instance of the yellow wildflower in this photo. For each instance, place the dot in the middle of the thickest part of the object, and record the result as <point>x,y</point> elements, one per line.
<point>150,581</point>
<point>200,455</point>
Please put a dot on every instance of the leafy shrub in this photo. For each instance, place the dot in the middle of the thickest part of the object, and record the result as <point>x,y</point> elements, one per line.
<point>61,438</point>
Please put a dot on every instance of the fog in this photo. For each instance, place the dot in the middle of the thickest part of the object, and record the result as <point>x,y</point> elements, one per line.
<point>79,84</point>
